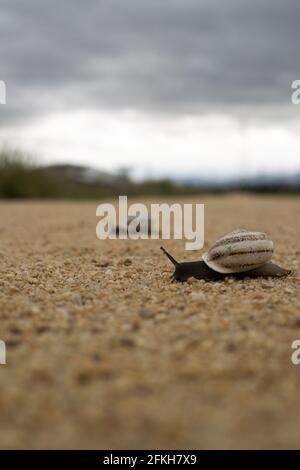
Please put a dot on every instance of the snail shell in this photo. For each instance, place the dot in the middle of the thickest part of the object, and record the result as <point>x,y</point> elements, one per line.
<point>239,251</point>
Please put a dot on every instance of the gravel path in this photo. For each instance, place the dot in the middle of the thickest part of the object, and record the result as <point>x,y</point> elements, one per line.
<point>104,352</point>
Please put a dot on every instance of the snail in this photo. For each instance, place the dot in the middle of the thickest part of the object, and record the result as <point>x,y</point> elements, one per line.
<point>139,228</point>
<point>240,254</point>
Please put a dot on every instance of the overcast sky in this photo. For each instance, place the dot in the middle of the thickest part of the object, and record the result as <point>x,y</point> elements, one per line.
<point>167,87</point>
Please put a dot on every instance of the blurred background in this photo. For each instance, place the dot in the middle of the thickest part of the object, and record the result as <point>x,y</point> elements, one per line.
<point>164,97</point>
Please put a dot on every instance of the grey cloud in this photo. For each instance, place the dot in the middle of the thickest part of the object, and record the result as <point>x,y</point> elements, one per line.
<point>174,56</point>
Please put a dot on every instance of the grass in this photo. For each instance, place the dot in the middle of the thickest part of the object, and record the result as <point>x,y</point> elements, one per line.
<point>21,177</point>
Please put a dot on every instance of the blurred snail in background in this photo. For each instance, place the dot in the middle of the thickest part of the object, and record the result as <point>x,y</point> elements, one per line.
<point>240,254</point>
<point>139,228</point>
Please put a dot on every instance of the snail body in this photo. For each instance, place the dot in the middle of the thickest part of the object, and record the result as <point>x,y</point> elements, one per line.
<point>239,254</point>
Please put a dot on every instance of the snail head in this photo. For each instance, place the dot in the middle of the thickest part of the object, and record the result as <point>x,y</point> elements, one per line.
<point>183,271</point>
<point>180,273</point>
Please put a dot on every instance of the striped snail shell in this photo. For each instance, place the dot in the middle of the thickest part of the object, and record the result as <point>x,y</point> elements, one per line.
<point>239,251</point>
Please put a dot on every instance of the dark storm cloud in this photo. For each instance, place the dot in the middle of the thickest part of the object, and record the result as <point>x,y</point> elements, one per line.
<point>159,56</point>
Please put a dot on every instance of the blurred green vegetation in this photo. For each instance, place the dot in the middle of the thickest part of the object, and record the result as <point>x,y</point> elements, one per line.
<point>19,177</point>
<point>22,177</point>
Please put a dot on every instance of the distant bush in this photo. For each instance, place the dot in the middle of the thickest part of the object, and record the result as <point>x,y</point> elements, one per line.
<point>22,177</point>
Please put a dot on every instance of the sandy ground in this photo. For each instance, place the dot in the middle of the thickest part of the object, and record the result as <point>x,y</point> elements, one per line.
<point>104,352</point>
